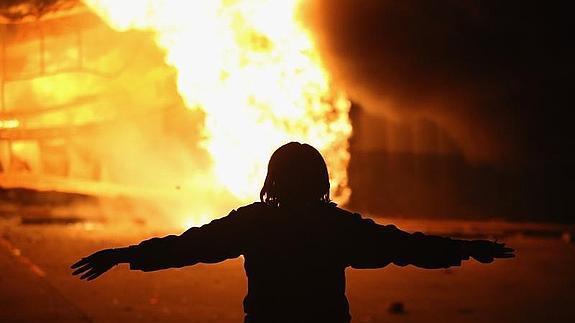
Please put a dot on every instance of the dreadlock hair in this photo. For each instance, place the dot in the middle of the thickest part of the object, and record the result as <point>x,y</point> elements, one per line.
<point>297,173</point>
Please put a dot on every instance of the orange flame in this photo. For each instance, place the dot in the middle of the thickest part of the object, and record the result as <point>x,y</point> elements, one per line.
<point>255,72</point>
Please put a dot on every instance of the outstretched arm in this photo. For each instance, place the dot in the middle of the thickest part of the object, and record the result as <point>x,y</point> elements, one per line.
<point>381,245</point>
<point>428,251</point>
<point>219,240</point>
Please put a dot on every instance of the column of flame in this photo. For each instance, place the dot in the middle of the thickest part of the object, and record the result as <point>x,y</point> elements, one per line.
<point>254,71</point>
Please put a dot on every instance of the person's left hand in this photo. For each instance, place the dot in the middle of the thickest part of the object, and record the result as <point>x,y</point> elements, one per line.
<point>96,264</point>
<point>486,251</point>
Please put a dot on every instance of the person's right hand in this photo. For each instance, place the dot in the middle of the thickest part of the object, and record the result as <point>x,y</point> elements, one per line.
<point>486,251</point>
<point>96,264</point>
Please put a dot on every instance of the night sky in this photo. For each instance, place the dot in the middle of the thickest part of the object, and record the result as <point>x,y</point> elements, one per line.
<point>497,74</point>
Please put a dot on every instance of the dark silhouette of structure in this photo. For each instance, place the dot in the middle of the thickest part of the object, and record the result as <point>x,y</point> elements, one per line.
<point>296,245</point>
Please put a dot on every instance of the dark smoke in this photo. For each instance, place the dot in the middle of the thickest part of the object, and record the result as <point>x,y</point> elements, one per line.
<point>497,74</point>
<point>16,10</point>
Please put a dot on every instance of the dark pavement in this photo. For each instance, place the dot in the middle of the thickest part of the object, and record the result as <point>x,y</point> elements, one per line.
<point>536,286</point>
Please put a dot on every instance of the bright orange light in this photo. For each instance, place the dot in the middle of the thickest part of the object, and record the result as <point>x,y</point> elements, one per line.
<point>254,70</point>
<point>9,124</point>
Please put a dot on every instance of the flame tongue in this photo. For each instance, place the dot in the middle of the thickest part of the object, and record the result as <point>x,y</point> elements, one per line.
<point>254,71</point>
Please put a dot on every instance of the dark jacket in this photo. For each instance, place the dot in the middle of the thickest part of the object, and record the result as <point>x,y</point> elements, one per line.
<point>295,259</point>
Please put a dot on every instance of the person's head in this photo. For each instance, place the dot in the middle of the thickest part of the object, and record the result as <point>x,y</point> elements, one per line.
<point>296,174</point>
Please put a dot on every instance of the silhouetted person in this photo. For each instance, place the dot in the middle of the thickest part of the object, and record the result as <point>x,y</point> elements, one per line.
<point>296,245</point>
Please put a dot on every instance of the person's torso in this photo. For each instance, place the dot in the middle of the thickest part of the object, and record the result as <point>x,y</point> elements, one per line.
<point>295,261</point>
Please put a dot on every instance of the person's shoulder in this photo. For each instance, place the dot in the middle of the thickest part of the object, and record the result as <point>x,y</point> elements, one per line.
<point>253,209</point>
<point>334,210</point>
<point>244,214</point>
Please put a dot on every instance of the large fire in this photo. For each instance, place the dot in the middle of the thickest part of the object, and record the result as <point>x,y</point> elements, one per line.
<point>253,69</point>
<point>170,108</point>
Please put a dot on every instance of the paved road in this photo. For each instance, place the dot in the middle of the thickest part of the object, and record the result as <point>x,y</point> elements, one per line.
<point>36,285</point>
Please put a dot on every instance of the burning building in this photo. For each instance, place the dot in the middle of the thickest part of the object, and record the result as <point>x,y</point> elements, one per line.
<point>140,98</point>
